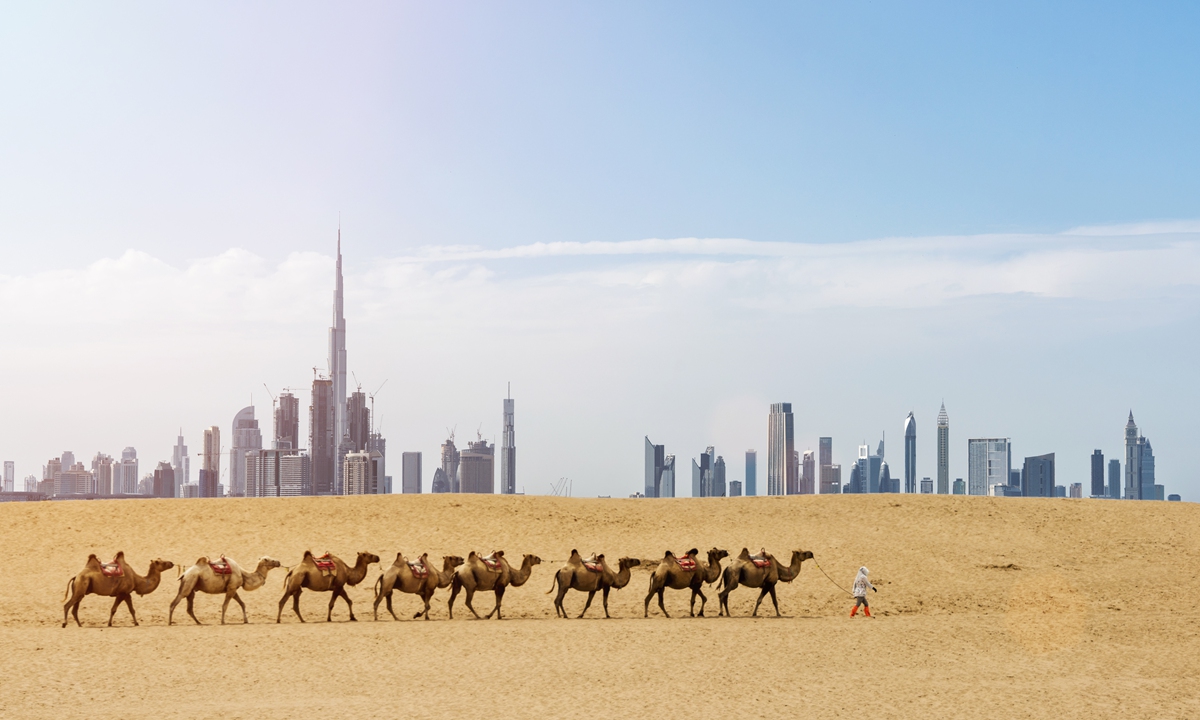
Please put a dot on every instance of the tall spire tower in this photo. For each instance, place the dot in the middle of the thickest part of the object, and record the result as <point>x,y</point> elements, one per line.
<point>337,368</point>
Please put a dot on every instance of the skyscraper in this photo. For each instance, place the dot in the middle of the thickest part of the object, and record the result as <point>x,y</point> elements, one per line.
<point>164,481</point>
<point>655,458</point>
<point>246,438</point>
<point>808,473</point>
<point>125,474</point>
<point>751,472</point>
<point>1133,461</point>
<point>410,472</point>
<point>340,428</point>
<point>825,465</point>
<point>102,474</point>
<point>1114,479</point>
<point>210,470</point>
<point>718,488</point>
<point>321,443</point>
<point>1097,474</point>
<point>358,416</point>
<point>702,473</point>
<point>831,480</point>
<point>476,468</point>
<point>780,449</point>
<point>1039,476</point>
<point>666,488</point>
<point>181,463</point>
<point>450,460</point>
<point>287,421</point>
<point>943,452</point>
<point>989,461</point>
<point>910,454</point>
<point>867,471</point>
<point>10,476</point>
<point>359,474</point>
<point>508,448</point>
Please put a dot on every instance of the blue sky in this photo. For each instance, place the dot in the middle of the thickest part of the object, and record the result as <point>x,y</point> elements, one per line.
<point>963,144</point>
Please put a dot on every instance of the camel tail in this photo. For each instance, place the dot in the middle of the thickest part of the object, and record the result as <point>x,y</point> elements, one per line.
<point>378,584</point>
<point>71,589</point>
<point>553,584</point>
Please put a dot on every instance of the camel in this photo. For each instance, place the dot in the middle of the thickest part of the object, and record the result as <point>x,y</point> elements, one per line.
<point>744,571</point>
<point>92,581</point>
<point>203,577</point>
<point>670,574</point>
<point>400,577</point>
<point>575,575</point>
<point>476,574</point>
<point>307,575</point>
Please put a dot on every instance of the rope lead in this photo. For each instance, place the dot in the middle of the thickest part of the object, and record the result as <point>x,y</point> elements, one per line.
<point>839,587</point>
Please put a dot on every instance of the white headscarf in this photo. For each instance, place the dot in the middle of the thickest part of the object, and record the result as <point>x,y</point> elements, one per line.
<point>861,583</point>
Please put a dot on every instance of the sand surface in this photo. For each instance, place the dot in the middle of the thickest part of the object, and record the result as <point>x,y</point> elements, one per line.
<point>1004,608</point>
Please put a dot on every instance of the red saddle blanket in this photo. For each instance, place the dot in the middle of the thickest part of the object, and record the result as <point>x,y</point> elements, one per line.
<point>112,570</point>
<point>760,562</point>
<point>593,566</point>
<point>221,568</point>
<point>325,562</point>
<point>686,563</point>
<point>418,570</point>
<point>491,563</point>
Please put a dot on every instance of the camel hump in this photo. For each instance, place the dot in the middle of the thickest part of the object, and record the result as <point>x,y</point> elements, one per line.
<point>744,554</point>
<point>669,554</point>
<point>472,555</point>
<point>201,560</point>
<point>307,555</point>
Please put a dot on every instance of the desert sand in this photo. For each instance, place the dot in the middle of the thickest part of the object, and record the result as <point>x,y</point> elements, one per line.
<point>993,608</point>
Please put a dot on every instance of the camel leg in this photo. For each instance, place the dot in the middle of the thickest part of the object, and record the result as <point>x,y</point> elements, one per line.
<point>225,605</point>
<point>662,607</point>
<point>467,601</point>
<point>426,597</point>
<point>559,610</point>
<point>496,610</point>
<point>454,587</point>
<point>171,610</point>
<point>132,614</point>
<point>650,594</point>
<point>762,593</point>
<point>349,604</point>
<point>604,597</point>
<point>587,604</point>
<point>191,598</point>
<point>703,601</point>
<point>333,596</point>
<point>73,603</point>
<point>723,598</point>
<point>774,601</point>
<point>111,613</point>
<point>238,599</point>
<point>389,606</point>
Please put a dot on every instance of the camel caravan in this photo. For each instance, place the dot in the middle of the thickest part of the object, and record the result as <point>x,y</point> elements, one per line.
<point>421,576</point>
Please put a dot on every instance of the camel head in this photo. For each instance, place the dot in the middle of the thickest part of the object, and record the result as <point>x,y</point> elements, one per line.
<point>627,562</point>
<point>368,557</point>
<point>532,560</point>
<point>452,560</point>
<point>715,554</point>
<point>270,562</point>
<point>161,565</point>
<point>805,555</point>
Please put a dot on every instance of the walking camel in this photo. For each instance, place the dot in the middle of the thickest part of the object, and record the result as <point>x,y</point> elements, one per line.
<point>489,573</point>
<point>683,573</point>
<point>324,574</point>
<point>763,572</point>
<point>222,577</point>
<point>116,580</point>
<point>416,577</point>
<point>589,576</point>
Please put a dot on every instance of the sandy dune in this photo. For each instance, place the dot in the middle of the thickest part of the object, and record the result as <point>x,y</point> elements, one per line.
<point>986,608</point>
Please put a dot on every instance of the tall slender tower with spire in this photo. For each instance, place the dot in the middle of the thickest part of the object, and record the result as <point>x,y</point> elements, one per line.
<point>337,370</point>
<point>943,451</point>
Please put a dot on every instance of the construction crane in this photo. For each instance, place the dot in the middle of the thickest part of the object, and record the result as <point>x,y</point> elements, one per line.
<point>273,399</point>
<point>372,397</point>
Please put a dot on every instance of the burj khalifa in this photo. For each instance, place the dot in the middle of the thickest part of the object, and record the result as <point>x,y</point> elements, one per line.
<point>337,372</point>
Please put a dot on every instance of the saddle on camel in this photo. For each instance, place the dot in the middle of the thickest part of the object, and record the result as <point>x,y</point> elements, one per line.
<point>595,563</point>
<point>221,567</point>
<point>492,562</point>
<point>326,564</point>
<point>686,562</point>
<point>418,569</point>
<point>112,569</point>
<point>762,559</point>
